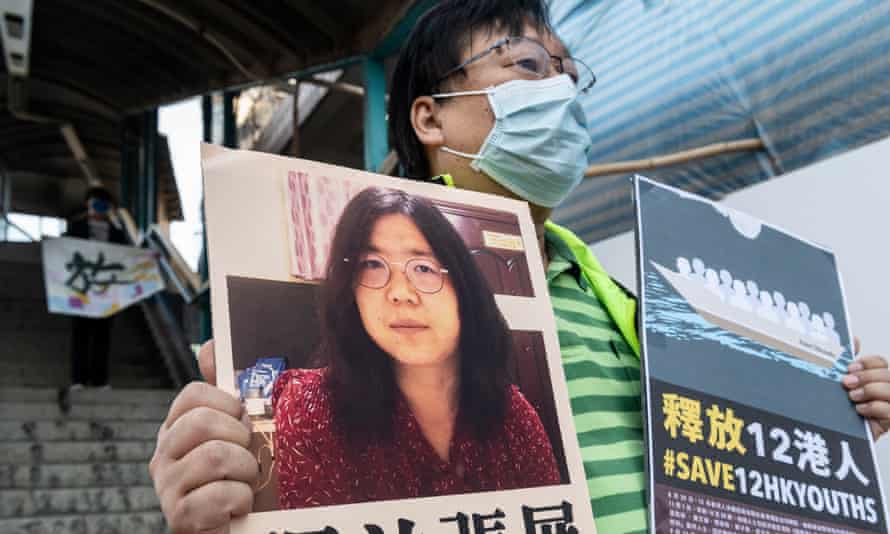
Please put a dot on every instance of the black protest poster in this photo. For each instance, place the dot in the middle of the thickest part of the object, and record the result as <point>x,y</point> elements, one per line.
<point>745,339</point>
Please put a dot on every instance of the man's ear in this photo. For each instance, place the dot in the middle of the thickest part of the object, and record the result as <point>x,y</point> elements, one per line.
<point>425,121</point>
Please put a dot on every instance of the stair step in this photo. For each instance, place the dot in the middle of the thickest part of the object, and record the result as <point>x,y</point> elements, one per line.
<point>24,503</point>
<point>69,452</point>
<point>45,371</point>
<point>60,430</point>
<point>89,396</point>
<point>74,475</point>
<point>140,523</point>
<point>25,411</point>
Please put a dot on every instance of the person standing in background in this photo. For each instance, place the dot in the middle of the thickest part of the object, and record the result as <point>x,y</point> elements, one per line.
<point>90,339</point>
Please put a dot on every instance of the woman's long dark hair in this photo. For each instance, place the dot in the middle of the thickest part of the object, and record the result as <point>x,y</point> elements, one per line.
<point>360,374</point>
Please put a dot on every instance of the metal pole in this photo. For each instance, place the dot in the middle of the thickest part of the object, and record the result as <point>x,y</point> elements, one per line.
<point>376,143</point>
<point>229,139</point>
<point>5,197</point>
<point>141,177</point>
<point>206,322</point>
<point>207,117</point>
<point>230,129</point>
<point>295,121</point>
<point>150,140</point>
<point>129,177</point>
<point>124,180</point>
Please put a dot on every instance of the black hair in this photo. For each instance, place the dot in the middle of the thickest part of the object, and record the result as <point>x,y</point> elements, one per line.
<point>360,374</point>
<point>433,48</point>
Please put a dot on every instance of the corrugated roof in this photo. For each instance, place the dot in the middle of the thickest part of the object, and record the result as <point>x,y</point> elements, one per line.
<point>94,63</point>
<point>809,79</point>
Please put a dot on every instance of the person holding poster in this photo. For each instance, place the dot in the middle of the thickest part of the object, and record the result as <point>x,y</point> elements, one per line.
<point>414,385</point>
<point>90,338</point>
<point>484,96</point>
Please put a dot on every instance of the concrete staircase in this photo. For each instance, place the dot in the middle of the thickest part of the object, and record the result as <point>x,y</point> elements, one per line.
<point>85,471</point>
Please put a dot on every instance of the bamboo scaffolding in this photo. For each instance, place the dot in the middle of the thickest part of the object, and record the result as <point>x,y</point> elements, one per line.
<point>742,145</point>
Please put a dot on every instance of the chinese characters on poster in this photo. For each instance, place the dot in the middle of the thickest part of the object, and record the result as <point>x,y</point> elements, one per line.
<point>96,279</point>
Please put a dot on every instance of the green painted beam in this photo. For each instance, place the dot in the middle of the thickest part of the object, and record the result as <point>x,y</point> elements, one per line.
<point>229,139</point>
<point>375,134</point>
<point>230,129</point>
<point>207,118</point>
<point>392,43</point>
<point>150,168</point>
<point>141,178</point>
<point>129,177</point>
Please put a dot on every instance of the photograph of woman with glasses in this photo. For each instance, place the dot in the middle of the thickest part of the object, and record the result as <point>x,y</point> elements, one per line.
<point>413,397</point>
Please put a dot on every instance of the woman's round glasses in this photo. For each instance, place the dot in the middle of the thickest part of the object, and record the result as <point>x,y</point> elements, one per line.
<point>532,60</point>
<point>374,272</point>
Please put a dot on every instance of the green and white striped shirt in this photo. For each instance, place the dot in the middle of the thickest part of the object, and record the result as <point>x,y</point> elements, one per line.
<point>603,376</point>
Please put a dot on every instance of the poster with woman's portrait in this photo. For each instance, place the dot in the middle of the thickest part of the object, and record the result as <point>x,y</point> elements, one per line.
<point>395,350</point>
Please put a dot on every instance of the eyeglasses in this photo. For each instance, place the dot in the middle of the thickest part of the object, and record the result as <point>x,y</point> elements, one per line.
<point>374,272</point>
<point>532,59</point>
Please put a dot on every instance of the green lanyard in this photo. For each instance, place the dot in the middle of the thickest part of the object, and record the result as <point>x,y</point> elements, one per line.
<point>621,307</point>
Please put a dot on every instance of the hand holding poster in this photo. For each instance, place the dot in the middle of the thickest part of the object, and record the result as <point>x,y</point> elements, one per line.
<point>91,278</point>
<point>745,340</point>
<point>395,349</point>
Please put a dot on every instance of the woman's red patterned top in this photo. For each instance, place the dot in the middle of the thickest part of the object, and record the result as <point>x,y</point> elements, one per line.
<point>314,468</point>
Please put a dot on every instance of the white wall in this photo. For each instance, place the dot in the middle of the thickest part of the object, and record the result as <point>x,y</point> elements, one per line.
<point>842,203</point>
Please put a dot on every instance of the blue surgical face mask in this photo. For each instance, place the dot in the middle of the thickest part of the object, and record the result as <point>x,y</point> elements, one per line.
<point>99,206</point>
<point>538,145</point>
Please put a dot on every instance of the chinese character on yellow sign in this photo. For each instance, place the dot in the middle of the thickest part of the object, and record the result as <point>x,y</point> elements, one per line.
<point>725,430</point>
<point>683,414</point>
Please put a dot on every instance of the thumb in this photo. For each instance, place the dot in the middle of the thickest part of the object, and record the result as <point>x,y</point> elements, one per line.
<point>207,362</point>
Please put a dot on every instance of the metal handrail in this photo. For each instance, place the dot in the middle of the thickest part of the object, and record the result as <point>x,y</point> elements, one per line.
<point>5,220</point>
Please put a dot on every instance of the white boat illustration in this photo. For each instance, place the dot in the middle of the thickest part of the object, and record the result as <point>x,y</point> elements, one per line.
<point>821,352</point>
